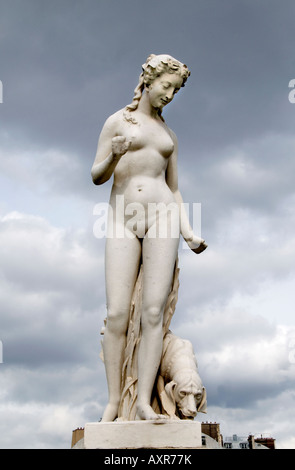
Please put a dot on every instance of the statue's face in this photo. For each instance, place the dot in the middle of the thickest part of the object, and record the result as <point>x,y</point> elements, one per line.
<point>188,395</point>
<point>163,88</point>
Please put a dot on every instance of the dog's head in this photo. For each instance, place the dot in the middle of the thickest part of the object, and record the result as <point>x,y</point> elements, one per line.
<point>187,394</point>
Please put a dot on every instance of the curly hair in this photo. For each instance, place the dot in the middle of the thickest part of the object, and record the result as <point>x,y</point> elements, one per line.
<point>155,66</point>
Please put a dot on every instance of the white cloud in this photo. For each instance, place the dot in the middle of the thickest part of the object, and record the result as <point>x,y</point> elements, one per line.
<point>244,362</point>
<point>51,292</point>
<point>270,418</point>
<point>288,443</point>
<point>38,256</point>
<point>249,253</point>
<point>39,426</point>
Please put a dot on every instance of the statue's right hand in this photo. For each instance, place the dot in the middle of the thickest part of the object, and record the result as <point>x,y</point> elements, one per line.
<point>120,146</point>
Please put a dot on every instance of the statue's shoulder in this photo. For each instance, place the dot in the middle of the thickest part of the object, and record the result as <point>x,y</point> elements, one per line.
<point>119,114</point>
<point>114,121</point>
<point>116,117</point>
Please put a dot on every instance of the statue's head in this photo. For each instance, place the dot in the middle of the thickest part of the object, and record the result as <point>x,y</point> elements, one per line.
<point>187,394</point>
<point>154,67</point>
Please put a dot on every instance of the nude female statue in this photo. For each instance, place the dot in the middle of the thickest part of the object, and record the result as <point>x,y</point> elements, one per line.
<point>138,148</point>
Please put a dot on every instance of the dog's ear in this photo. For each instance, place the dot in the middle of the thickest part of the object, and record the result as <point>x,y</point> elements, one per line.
<point>168,398</point>
<point>202,407</point>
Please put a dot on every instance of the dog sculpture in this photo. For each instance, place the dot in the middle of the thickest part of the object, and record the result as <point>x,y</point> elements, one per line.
<point>180,387</point>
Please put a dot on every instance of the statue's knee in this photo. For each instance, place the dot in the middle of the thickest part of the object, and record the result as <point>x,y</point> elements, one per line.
<point>152,317</point>
<point>117,321</point>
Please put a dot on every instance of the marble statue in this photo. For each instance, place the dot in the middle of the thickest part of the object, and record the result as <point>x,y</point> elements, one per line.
<point>137,147</point>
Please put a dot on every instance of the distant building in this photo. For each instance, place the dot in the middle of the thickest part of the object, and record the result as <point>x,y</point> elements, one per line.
<point>77,435</point>
<point>262,442</point>
<point>212,430</point>
<point>236,442</point>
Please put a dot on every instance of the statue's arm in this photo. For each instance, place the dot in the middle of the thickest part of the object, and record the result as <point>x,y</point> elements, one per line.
<point>111,147</point>
<point>195,243</point>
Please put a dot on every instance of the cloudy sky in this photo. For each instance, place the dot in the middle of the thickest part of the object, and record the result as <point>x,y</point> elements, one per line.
<point>65,66</point>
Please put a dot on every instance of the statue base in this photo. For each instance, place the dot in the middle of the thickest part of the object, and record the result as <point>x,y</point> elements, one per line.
<point>154,434</point>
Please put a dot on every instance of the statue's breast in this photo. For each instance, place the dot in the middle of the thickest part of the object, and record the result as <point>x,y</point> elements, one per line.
<point>150,136</point>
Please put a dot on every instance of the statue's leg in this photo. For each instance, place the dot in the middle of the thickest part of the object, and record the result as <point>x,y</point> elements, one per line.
<point>122,263</point>
<point>159,257</point>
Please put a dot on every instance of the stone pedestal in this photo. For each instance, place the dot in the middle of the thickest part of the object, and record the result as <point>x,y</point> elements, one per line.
<point>157,434</point>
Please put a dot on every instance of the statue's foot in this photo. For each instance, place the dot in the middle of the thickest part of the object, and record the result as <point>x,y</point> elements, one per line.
<point>146,412</point>
<point>110,413</point>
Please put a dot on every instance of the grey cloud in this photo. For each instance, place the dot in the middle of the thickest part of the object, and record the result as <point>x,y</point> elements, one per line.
<point>52,294</point>
<point>64,84</point>
<point>242,357</point>
<point>40,257</point>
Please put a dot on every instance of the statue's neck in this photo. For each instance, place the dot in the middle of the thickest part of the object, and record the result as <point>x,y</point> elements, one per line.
<point>145,107</point>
